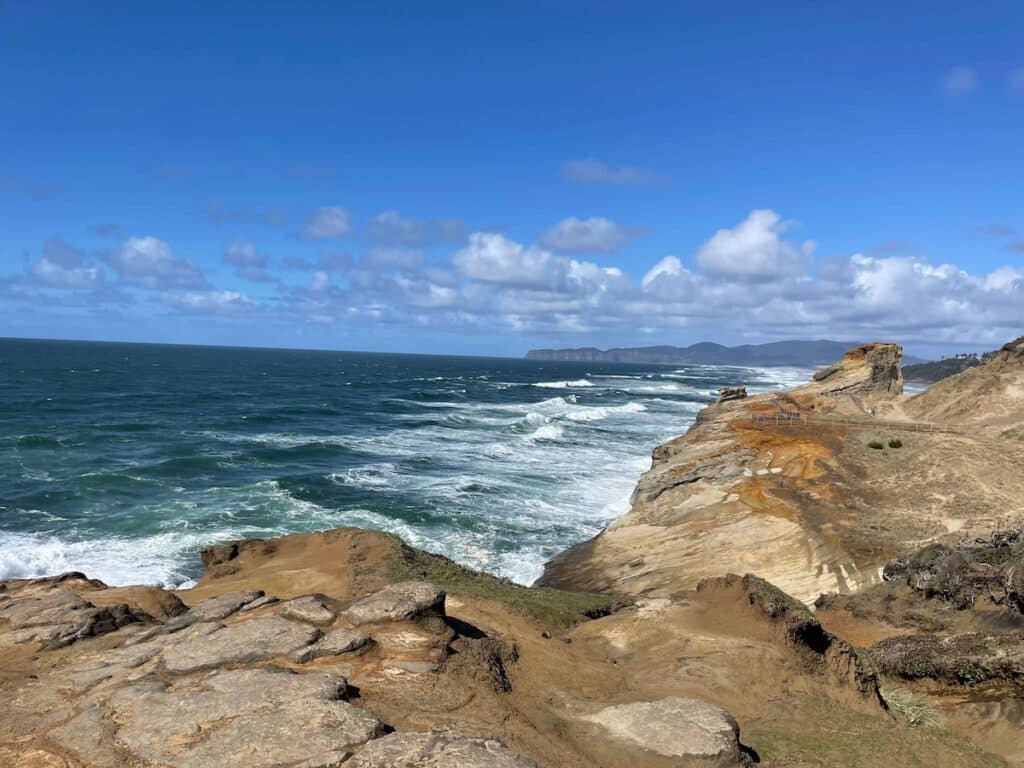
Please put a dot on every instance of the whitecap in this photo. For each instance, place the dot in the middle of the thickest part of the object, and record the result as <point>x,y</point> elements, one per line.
<point>548,432</point>
<point>577,384</point>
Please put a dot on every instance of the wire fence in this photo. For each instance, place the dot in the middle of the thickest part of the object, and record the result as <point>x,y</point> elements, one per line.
<point>787,419</point>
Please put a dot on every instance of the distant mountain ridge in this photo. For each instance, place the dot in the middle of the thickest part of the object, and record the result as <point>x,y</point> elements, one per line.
<point>818,352</point>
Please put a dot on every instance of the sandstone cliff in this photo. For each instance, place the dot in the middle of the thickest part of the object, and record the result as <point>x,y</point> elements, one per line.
<point>801,488</point>
<point>988,397</point>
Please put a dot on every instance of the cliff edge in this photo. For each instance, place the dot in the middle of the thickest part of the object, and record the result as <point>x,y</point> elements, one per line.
<point>812,489</point>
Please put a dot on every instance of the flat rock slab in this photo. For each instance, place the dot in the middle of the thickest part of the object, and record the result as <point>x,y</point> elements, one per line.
<point>437,750</point>
<point>249,641</point>
<point>333,644</point>
<point>312,609</point>
<point>255,718</point>
<point>675,727</point>
<point>54,607</point>
<point>222,606</point>
<point>397,602</point>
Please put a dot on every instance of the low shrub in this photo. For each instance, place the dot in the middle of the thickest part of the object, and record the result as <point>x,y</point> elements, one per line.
<point>876,445</point>
<point>895,442</point>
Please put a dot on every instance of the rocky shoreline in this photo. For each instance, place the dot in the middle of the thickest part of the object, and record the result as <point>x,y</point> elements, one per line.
<point>782,592</point>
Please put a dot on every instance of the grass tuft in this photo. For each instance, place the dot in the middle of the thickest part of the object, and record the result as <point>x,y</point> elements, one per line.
<point>876,444</point>
<point>556,608</point>
<point>915,710</point>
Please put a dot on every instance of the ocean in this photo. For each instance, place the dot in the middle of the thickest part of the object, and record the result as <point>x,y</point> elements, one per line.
<point>123,460</point>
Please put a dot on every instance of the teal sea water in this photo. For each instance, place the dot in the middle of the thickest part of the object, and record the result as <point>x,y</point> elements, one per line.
<point>122,460</point>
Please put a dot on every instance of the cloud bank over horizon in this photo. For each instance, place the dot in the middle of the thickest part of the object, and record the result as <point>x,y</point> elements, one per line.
<point>754,280</point>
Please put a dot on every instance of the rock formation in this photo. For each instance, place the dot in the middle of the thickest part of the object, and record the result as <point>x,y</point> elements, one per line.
<point>731,393</point>
<point>988,398</point>
<point>786,486</point>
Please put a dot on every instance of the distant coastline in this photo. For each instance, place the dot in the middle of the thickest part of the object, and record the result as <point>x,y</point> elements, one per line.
<point>806,353</point>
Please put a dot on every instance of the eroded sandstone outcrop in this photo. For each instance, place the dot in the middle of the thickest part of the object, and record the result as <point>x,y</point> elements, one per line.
<point>787,486</point>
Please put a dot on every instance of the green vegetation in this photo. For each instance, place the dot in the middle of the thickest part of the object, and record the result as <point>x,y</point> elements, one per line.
<point>556,608</point>
<point>876,444</point>
<point>915,710</point>
<point>895,442</point>
<point>825,733</point>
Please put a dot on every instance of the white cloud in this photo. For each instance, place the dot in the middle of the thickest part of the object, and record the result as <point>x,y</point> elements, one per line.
<point>593,235</point>
<point>148,262</point>
<point>960,81</point>
<point>210,302</point>
<point>57,275</point>
<point>668,269</point>
<point>754,249</point>
<point>493,258</point>
<point>592,171</point>
<point>327,223</point>
<point>249,263</point>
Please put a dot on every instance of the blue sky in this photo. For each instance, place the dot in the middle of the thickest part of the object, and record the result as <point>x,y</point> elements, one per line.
<point>483,178</point>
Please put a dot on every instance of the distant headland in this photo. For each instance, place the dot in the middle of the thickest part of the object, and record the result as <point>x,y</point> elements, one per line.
<point>818,352</point>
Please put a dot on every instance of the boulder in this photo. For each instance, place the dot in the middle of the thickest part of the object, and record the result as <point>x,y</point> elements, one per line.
<point>397,602</point>
<point>253,717</point>
<point>219,553</point>
<point>312,609</point>
<point>333,644</point>
<point>57,617</point>
<point>685,729</point>
<point>246,642</point>
<point>437,750</point>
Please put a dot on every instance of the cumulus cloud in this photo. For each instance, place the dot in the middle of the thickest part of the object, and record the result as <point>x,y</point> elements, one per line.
<point>57,275</point>
<point>592,171</point>
<point>64,266</point>
<point>391,228</point>
<point>754,249</point>
<point>249,263</point>
<point>960,81</point>
<point>327,223</point>
<point>149,263</point>
<point>593,235</point>
<point>493,258</point>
